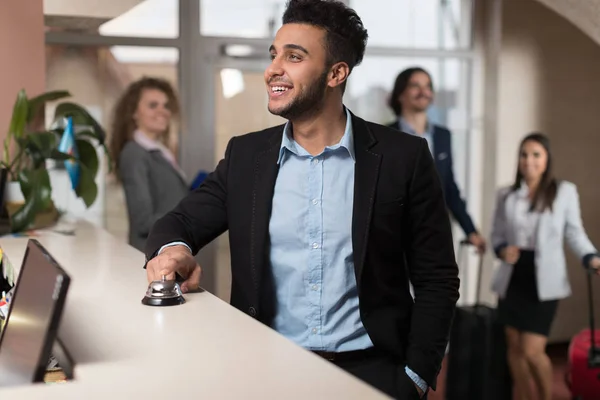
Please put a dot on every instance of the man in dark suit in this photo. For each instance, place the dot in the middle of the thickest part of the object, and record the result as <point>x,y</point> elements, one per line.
<point>329,216</point>
<point>411,97</point>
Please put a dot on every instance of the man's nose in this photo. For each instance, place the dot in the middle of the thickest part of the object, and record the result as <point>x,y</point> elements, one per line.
<point>274,69</point>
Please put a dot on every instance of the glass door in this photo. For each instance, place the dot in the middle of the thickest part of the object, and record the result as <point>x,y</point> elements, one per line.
<point>240,107</point>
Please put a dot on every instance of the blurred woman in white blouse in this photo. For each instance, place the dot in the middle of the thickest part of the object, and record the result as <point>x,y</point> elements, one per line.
<point>532,219</point>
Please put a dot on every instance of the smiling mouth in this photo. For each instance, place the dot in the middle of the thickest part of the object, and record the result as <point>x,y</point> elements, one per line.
<point>276,91</point>
<point>279,89</point>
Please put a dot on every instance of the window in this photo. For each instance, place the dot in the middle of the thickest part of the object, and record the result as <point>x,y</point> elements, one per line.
<point>150,18</point>
<point>241,18</point>
<point>438,24</point>
<point>371,83</point>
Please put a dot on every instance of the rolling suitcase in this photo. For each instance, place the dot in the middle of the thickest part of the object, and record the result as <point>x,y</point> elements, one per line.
<point>583,371</point>
<point>477,366</point>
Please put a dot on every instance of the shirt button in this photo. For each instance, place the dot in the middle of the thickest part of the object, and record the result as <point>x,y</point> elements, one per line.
<point>314,330</point>
<point>315,202</point>
<point>315,287</point>
<point>252,312</point>
<point>315,161</point>
<point>315,245</point>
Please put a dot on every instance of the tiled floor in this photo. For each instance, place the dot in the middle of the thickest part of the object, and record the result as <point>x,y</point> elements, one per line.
<point>558,354</point>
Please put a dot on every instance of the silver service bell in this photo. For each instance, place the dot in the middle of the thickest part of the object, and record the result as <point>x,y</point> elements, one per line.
<point>163,293</point>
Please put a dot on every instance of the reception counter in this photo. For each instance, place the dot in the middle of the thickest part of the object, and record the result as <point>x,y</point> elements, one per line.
<point>203,349</point>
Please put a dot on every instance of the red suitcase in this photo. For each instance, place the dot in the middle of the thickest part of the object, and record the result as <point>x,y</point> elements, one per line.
<point>583,371</point>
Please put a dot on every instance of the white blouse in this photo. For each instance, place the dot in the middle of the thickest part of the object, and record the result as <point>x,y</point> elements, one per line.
<point>525,222</point>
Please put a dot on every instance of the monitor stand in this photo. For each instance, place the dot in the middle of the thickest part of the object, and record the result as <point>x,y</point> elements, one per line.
<point>60,365</point>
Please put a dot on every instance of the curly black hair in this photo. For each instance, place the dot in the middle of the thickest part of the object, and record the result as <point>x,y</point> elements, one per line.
<point>346,36</point>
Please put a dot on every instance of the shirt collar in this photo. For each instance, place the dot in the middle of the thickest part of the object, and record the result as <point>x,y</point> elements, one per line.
<point>288,142</point>
<point>406,127</point>
<point>523,190</point>
<point>146,142</point>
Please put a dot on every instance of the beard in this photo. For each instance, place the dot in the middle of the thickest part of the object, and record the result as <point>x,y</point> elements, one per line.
<point>306,103</point>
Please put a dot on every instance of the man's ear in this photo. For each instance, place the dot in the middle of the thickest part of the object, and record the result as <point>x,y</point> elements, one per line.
<point>338,74</point>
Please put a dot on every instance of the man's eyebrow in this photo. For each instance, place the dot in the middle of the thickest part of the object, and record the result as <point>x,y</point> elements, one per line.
<point>295,47</point>
<point>290,46</point>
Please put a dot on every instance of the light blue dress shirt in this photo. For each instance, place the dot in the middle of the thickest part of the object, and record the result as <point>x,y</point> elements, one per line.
<point>428,134</point>
<point>311,247</point>
<point>311,250</point>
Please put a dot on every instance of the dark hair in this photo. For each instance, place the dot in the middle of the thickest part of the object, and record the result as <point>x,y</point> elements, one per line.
<point>400,86</point>
<point>546,191</point>
<point>123,124</point>
<point>346,37</point>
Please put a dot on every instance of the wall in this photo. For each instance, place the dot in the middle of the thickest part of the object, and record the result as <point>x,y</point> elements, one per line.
<point>21,52</point>
<point>549,80</point>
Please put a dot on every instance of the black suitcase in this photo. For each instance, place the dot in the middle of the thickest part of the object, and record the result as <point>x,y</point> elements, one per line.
<point>477,366</point>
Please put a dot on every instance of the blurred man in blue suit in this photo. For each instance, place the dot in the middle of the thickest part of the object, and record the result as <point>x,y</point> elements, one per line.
<point>411,97</point>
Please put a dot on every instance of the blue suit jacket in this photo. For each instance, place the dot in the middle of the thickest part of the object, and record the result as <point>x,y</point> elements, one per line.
<point>442,147</point>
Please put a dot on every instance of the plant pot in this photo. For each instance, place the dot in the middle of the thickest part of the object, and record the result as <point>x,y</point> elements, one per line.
<point>13,193</point>
<point>42,219</point>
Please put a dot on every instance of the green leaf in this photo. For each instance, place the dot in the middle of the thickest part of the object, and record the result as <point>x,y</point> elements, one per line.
<point>80,117</point>
<point>36,188</point>
<point>39,146</point>
<point>44,142</point>
<point>19,116</point>
<point>60,156</point>
<point>5,155</point>
<point>92,135</point>
<point>87,155</point>
<point>41,100</point>
<point>36,183</point>
<point>86,133</point>
<point>25,181</point>
<point>24,217</point>
<point>86,189</point>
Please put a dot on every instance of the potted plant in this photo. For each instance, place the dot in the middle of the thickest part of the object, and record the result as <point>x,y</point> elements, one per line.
<point>28,146</point>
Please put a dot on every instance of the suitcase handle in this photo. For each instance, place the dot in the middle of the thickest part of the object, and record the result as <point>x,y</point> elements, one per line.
<point>594,356</point>
<point>466,243</point>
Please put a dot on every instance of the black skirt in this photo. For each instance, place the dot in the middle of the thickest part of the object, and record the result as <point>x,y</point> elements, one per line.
<point>521,308</point>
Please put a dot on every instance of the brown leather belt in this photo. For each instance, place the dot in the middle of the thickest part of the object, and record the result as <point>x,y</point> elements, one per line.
<point>356,355</point>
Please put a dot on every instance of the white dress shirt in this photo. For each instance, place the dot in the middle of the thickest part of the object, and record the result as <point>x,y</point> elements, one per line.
<point>525,223</point>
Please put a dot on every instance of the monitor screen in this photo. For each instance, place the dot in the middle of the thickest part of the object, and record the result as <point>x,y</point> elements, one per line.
<point>32,323</point>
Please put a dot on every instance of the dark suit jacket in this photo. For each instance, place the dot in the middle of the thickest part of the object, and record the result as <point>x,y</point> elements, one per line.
<point>442,147</point>
<point>400,230</point>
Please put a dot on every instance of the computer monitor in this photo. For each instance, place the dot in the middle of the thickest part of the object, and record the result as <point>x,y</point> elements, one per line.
<point>34,317</point>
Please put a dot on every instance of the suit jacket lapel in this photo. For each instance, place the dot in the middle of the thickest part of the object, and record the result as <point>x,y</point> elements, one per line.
<point>365,184</point>
<point>265,174</point>
<point>437,148</point>
<point>161,160</point>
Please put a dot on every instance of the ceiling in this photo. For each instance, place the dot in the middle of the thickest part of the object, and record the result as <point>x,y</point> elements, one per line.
<point>584,14</point>
<point>83,15</point>
<point>89,15</point>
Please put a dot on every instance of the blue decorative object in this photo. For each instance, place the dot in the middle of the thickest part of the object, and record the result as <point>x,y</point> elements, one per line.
<point>67,145</point>
<point>198,180</point>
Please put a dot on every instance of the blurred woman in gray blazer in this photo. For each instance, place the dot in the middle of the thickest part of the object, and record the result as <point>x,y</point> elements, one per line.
<point>532,219</point>
<point>152,180</point>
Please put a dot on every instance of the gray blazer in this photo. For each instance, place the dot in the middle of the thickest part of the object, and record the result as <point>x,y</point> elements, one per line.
<point>562,223</point>
<point>152,188</point>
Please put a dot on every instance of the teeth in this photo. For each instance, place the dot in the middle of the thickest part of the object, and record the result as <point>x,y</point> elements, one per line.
<point>279,89</point>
